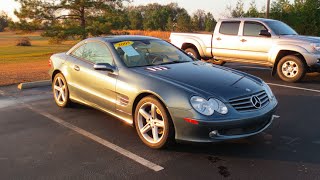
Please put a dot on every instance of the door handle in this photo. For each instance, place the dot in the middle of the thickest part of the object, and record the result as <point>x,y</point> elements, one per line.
<point>77,68</point>
<point>218,38</point>
<point>243,40</point>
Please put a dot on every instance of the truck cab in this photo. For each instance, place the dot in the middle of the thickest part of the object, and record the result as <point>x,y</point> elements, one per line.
<point>260,41</point>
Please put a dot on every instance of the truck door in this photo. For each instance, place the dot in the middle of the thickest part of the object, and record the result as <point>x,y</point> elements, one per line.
<point>226,40</point>
<point>253,46</point>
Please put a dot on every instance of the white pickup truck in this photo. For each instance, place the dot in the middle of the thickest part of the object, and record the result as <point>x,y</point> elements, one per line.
<point>255,40</point>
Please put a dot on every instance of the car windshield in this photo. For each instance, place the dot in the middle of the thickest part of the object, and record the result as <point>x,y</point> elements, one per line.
<point>149,52</point>
<point>280,28</point>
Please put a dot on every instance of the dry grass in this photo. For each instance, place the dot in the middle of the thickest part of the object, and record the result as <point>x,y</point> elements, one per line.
<point>26,63</point>
<point>159,34</point>
<point>30,63</point>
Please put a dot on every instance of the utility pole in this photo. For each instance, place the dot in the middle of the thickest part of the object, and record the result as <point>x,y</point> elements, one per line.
<point>268,9</point>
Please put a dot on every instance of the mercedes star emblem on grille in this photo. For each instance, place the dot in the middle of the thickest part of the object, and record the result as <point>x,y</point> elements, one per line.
<point>256,102</point>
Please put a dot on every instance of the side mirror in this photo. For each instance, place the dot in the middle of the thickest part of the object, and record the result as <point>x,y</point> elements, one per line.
<point>265,33</point>
<point>103,67</point>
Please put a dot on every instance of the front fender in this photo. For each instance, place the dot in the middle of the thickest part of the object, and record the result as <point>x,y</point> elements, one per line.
<point>288,47</point>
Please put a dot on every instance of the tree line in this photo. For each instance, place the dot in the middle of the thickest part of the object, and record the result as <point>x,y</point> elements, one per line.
<point>301,15</point>
<point>62,19</point>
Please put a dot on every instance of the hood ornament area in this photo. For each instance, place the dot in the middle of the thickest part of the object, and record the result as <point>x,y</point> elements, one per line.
<point>256,102</point>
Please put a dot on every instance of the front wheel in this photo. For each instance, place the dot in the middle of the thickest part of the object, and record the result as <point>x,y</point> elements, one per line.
<point>153,123</point>
<point>291,69</point>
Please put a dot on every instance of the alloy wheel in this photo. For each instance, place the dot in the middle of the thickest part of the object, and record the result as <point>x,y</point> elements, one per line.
<point>60,91</point>
<point>151,123</point>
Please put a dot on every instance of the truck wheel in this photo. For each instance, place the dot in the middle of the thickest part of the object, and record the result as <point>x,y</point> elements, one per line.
<point>217,62</point>
<point>291,68</point>
<point>192,52</point>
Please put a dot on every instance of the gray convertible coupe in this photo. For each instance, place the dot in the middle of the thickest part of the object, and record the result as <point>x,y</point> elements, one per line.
<point>163,92</point>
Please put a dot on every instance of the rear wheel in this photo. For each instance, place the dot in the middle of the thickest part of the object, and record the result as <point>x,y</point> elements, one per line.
<point>60,91</point>
<point>217,62</point>
<point>153,123</point>
<point>291,68</point>
<point>193,52</point>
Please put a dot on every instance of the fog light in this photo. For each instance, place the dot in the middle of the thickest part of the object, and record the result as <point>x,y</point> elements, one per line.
<point>213,134</point>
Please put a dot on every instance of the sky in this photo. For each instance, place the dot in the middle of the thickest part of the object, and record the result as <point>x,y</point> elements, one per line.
<point>216,7</point>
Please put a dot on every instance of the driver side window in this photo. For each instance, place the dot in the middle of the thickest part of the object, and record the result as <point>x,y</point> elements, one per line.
<point>253,29</point>
<point>94,52</point>
<point>97,52</point>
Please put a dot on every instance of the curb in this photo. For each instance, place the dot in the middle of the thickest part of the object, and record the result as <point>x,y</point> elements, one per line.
<point>34,84</point>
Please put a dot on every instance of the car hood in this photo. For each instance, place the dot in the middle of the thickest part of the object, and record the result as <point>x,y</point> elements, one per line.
<point>311,39</point>
<point>206,79</point>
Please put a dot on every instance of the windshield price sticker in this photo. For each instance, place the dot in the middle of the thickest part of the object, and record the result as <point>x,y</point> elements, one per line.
<point>123,44</point>
<point>130,51</point>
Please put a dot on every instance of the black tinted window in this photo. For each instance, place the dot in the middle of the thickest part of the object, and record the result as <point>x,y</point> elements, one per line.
<point>229,28</point>
<point>252,29</point>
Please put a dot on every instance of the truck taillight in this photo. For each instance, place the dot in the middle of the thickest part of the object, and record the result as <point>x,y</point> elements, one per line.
<point>49,63</point>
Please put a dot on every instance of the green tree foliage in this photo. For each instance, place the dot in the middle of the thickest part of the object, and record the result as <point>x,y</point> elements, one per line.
<point>135,19</point>
<point>183,21</point>
<point>253,11</point>
<point>238,11</point>
<point>301,15</point>
<point>87,16</point>
<point>209,22</point>
<point>4,21</point>
<point>202,21</point>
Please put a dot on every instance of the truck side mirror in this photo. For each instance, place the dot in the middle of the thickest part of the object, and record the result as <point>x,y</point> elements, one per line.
<point>265,33</point>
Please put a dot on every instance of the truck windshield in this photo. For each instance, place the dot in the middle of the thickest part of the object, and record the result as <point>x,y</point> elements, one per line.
<point>280,28</point>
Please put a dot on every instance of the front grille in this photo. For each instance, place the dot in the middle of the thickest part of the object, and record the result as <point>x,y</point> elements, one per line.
<point>245,104</point>
<point>250,128</point>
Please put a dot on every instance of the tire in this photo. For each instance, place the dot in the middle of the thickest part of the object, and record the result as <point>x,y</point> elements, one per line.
<point>216,62</point>
<point>60,91</point>
<point>155,128</point>
<point>193,52</point>
<point>291,69</point>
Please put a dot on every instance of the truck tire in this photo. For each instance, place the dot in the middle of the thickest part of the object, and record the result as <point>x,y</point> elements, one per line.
<point>291,68</point>
<point>216,62</point>
<point>193,52</point>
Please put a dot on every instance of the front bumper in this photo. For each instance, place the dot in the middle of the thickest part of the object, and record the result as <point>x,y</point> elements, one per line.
<point>315,67</point>
<point>312,60</point>
<point>224,129</point>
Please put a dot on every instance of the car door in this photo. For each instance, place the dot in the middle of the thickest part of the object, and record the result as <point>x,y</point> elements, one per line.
<point>253,46</point>
<point>96,87</point>
<point>226,41</point>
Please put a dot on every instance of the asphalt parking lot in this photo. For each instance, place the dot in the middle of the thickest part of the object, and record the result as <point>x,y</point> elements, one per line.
<point>41,141</point>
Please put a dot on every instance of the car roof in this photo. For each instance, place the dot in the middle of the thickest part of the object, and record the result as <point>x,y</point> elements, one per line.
<point>117,38</point>
<point>247,19</point>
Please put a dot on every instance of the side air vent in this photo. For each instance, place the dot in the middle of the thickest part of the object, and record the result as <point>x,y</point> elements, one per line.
<point>160,68</point>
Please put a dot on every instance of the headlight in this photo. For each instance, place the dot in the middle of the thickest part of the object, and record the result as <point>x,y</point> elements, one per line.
<point>268,90</point>
<point>208,107</point>
<point>315,46</point>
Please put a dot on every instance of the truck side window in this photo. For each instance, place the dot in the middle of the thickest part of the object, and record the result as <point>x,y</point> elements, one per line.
<point>229,27</point>
<point>252,28</point>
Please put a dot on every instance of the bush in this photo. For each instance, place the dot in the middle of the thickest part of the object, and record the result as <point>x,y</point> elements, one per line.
<point>25,41</point>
